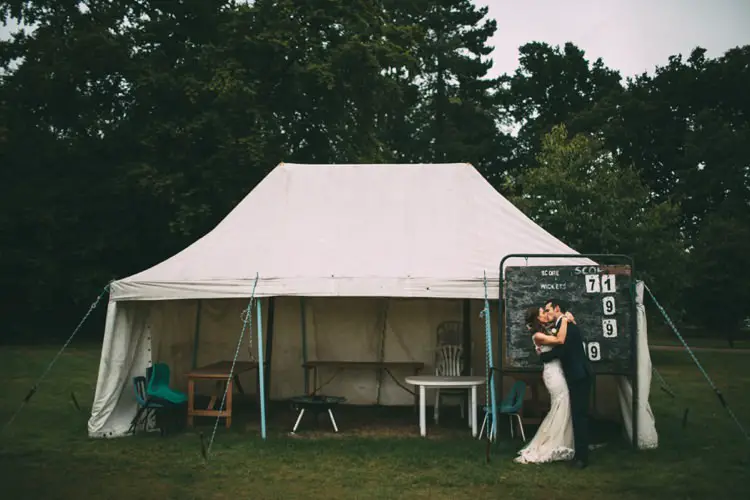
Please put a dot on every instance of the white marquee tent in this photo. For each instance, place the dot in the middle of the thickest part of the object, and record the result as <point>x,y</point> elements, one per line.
<point>355,241</point>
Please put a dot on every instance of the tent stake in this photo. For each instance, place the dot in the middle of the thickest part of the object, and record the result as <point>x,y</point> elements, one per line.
<point>75,400</point>
<point>203,447</point>
<point>685,417</point>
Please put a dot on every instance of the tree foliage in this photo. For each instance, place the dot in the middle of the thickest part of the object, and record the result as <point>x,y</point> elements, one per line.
<point>580,190</point>
<point>129,129</point>
<point>719,262</point>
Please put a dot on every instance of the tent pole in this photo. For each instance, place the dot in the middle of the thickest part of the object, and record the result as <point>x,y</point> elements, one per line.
<point>269,342</point>
<point>381,351</point>
<point>261,372</point>
<point>635,383</point>
<point>467,354</point>
<point>197,334</point>
<point>500,337</point>
<point>303,327</point>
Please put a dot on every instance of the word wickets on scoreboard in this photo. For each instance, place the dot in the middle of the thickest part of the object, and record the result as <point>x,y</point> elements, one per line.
<point>603,284</point>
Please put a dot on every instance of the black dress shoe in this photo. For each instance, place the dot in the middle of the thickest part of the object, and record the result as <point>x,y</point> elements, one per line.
<point>579,464</point>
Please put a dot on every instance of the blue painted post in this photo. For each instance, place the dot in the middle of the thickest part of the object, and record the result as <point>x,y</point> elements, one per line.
<point>492,430</point>
<point>261,372</point>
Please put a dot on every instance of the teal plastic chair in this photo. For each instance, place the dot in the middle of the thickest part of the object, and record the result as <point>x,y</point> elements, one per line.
<point>146,407</point>
<point>512,405</point>
<point>158,386</point>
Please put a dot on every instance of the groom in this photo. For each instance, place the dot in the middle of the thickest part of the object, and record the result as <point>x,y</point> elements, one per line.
<point>578,375</point>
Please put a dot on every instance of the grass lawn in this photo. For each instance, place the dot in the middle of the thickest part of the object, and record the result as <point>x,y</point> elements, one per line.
<point>659,334</point>
<point>698,343</point>
<point>46,454</point>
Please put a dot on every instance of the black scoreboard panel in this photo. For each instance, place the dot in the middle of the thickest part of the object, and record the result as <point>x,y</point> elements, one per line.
<point>598,296</point>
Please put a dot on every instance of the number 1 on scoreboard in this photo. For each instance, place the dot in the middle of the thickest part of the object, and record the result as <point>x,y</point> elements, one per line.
<point>608,283</point>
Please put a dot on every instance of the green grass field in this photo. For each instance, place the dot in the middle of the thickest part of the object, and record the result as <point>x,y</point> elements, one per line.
<point>46,454</point>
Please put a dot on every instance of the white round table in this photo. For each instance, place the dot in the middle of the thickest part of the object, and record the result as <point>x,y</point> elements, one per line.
<point>436,381</point>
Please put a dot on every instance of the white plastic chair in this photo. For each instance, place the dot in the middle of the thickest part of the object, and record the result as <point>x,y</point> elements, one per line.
<point>449,363</point>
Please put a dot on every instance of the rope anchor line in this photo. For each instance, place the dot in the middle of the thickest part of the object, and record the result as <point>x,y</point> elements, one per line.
<point>716,390</point>
<point>664,386</point>
<point>35,387</point>
<point>246,316</point>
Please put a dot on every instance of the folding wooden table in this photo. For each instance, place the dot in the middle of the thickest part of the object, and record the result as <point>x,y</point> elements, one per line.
<point>219,372</point>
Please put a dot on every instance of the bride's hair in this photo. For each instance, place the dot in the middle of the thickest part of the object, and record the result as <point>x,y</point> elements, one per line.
<point>532,319</point>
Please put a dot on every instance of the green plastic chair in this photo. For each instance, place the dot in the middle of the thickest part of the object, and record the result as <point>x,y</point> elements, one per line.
<point>512,405</point>
<point>158,386</point>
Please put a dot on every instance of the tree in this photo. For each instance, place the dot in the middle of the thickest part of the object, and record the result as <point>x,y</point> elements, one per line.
<point>62,89</point>
<point>552,85</point>
<point>580,194</point>
<point>720,270</point>
<point>130,128</point>
<point>454,116</point>
<point>685,129</point>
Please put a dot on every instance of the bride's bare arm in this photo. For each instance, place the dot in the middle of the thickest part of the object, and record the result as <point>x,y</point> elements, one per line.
<point>541,338</point>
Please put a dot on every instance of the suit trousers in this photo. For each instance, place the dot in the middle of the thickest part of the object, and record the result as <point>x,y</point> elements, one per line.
<point>580,392</point>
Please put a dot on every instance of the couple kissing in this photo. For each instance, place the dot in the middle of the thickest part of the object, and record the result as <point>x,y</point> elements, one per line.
<point>567,375</point>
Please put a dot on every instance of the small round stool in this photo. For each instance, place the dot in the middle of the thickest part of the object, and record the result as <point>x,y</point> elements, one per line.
<point>317,404</point>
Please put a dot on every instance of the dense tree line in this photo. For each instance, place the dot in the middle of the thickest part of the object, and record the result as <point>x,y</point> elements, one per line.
<point>129,128</point>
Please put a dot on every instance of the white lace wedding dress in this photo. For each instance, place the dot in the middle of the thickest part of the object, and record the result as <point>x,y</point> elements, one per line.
<point>553,440</point>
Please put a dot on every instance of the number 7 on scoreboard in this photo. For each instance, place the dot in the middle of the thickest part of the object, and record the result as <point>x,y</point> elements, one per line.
<point>592,283</point>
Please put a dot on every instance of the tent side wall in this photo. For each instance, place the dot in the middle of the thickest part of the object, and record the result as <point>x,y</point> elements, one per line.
<point>125,354</point>
<point>345,329</point>
<point>340,328</point>
<point>647,435</point>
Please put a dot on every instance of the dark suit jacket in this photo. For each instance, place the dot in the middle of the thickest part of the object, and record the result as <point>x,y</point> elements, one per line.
<point>575,363</point>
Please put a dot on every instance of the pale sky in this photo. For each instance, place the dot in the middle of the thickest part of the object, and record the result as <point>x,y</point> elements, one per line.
<point>631,36</point>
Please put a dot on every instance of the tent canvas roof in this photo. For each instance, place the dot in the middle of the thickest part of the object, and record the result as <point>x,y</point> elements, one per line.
<point>392,230</point>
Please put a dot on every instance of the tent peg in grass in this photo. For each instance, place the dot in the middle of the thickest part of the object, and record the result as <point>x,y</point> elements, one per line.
<point>685,417</point>
<point>75,400</point>
<point>203,447</point>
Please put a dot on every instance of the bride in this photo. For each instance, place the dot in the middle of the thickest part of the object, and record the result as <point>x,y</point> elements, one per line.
<point>553,440</point>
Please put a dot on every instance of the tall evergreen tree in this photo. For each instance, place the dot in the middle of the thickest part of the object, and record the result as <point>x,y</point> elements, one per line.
<point>455,118</point>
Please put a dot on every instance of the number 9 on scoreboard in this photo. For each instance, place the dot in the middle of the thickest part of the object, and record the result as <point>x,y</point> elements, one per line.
<point>608,304</point>
<point>593,350</point>
<point>609,328</point>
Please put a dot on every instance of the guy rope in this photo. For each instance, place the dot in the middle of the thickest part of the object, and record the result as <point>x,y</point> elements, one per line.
<point>34,388</point>
<point>246,316</point>
<point>716,390</point>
